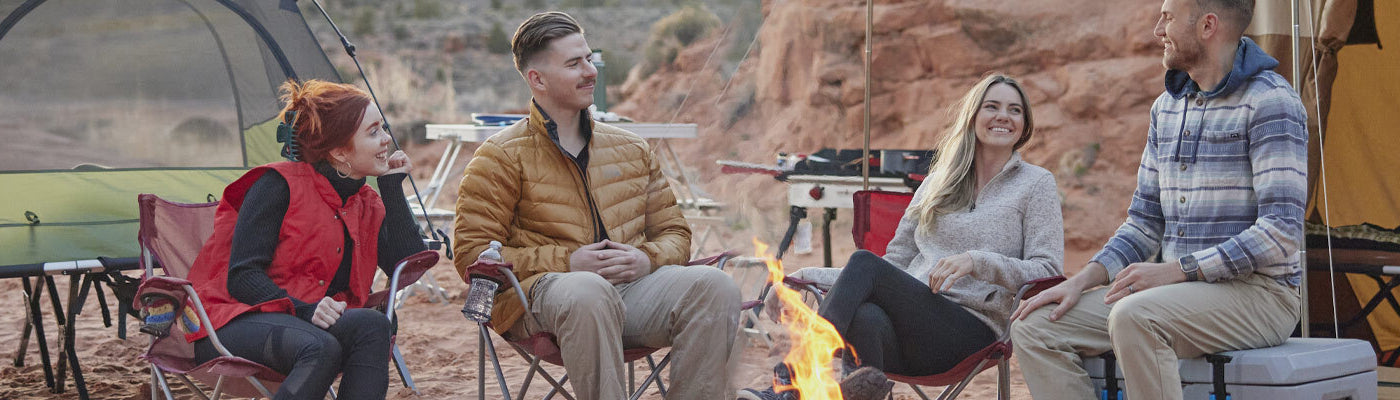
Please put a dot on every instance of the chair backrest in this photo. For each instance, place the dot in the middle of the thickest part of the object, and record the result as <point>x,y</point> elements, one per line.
<point>173,233</point>
<point>877,214</point>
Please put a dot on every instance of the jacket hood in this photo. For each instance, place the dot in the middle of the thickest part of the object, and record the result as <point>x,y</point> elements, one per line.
<point>1249,60</point>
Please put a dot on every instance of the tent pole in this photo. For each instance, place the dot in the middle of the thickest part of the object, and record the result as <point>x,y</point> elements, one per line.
<point>440,236</point>
<point>865,153</point>
<point>1304,323</point>
<point>1296,64</point>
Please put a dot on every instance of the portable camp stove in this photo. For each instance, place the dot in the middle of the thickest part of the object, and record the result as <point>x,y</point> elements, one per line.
<point>830,178</point>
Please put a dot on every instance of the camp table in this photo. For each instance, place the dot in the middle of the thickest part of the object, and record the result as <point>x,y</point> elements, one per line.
<point>83,275</point>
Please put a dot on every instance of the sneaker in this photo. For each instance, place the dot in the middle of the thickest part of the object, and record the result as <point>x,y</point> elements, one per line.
<point>866,383</point>
<point>765,394</point>
<point>781,376</point>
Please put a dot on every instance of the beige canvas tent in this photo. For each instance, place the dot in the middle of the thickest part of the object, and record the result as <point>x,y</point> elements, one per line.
<point>1348,55</point>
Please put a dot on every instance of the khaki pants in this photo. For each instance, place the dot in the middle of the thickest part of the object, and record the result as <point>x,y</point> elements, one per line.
<point>1149,331</point>
<point>694,310</point>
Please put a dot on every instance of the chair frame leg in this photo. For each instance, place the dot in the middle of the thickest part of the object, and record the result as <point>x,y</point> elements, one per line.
<point>529,376</point>
<point>655,375</point>
<point>481,368</point>
<point>917,391</point>
<point>656,369</point>
<point>557,386</point>
<point>558,389</point>
<point>953,391</point>
<point>1003,379</point>
<point>402,367</point>
<point>219,387</point>
<point>195,389</point>
<point>485,340</point>
<point>158,380</point>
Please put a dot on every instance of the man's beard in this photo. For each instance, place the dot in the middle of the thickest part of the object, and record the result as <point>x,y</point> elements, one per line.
<point>1182,58</point>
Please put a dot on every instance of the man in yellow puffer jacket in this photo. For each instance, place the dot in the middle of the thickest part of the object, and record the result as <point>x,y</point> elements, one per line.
<point>594,232</point>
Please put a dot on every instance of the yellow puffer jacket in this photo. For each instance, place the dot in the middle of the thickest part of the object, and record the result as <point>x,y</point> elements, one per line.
<point>522,190</point>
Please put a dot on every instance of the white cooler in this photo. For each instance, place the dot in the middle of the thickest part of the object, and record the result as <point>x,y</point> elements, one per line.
<point>1301,369</point>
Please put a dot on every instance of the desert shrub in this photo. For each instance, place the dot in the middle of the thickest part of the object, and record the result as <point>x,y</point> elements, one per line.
<point>672,33</point>
<point>750,18</point>
<point>364,23</point>
<point>584,3</point>
<point>427,9</point>
<point>616,67</point>
<point>401,32</point>
<point>496,41</point>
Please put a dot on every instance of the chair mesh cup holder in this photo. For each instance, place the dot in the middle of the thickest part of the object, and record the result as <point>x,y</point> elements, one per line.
<point>158,313</point>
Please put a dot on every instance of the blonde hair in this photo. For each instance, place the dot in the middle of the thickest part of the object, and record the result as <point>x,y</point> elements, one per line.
<point>951,178</point>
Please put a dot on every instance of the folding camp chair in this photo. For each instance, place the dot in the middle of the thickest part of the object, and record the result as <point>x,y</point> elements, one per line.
<point>171,235</point>
<point>542,346</point>
<point>877,214</point>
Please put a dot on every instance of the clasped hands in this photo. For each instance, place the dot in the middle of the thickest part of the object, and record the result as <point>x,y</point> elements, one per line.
<point>616,262</point>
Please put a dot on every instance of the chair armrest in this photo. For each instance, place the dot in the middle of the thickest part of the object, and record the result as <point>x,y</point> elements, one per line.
<point>798,282</point>
<point>175,287</point>
<point>406,272</point>
<point>749,304</point>
<point>1034,287</point>
<point>803,284</point>
<point>713,260</point>
<point>413,267</point>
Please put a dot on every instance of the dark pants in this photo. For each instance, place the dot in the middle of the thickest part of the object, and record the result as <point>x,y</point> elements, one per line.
<point>356,346</point>
<point>896,323</point>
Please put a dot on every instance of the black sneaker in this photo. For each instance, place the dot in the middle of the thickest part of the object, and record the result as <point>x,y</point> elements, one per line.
<point>866,383</point>
<point>765,394</point>
<point>781,376</point>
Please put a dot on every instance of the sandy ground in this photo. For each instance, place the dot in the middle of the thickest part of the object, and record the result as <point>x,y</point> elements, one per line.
<point>438,343</point>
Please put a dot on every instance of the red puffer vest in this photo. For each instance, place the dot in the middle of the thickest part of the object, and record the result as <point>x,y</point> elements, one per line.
<point>309,249</point>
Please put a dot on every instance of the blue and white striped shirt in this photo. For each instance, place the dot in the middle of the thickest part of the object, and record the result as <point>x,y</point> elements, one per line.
<point>1223,180</point>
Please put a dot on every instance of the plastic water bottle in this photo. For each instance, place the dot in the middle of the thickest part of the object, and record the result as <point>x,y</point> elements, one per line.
<point>802,241</point>
<point>481,294</point>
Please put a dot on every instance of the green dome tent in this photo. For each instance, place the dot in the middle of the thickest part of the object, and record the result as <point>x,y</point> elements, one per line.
<point>102,100</point>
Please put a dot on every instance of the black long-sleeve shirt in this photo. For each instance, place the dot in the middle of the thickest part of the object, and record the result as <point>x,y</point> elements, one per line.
<point>255,236</point>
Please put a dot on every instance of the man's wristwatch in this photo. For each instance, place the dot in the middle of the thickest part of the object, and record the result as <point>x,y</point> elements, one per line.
<point>1190,268</point>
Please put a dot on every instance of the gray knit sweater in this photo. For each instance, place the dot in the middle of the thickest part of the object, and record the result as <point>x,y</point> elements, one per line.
<point>1013,231</point>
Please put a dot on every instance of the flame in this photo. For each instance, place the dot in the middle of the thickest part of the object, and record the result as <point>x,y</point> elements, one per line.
<point>814,339</point>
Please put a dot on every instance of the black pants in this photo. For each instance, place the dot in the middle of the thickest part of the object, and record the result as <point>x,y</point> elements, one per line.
<point>896,323</point>
<point>311,357</point>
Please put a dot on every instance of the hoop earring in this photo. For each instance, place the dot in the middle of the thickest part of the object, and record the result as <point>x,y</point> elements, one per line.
<point>342,175</point>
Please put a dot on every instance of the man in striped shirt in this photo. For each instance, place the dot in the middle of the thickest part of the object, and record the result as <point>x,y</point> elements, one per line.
<point>1220,199</point>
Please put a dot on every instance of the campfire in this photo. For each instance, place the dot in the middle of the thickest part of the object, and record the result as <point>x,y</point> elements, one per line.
<point>814,340</point>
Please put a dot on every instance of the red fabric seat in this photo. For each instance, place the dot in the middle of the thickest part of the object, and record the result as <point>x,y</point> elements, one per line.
<point>877,215</point>
<point>171,235</point>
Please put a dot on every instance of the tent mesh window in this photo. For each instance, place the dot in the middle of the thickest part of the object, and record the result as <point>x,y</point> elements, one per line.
<point>94,85</point>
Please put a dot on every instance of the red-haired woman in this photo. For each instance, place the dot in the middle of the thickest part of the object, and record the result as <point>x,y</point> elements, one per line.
<point>296,244</point>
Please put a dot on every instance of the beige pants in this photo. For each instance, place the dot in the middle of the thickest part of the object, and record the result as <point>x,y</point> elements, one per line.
<point>1148,331</point>
<point>693,310</point>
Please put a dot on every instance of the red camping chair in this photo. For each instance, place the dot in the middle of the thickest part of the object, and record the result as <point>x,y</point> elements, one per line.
<point>171,235</point>
<point>542,346</point>
<point>877,214</point>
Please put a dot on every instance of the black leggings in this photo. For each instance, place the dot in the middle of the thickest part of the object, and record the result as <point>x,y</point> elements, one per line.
<point>311,357</point>
<point>896,323</point>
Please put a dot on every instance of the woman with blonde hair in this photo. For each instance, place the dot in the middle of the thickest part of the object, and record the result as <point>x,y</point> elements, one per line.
<point>982,223</point>
<point>285,276</point>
